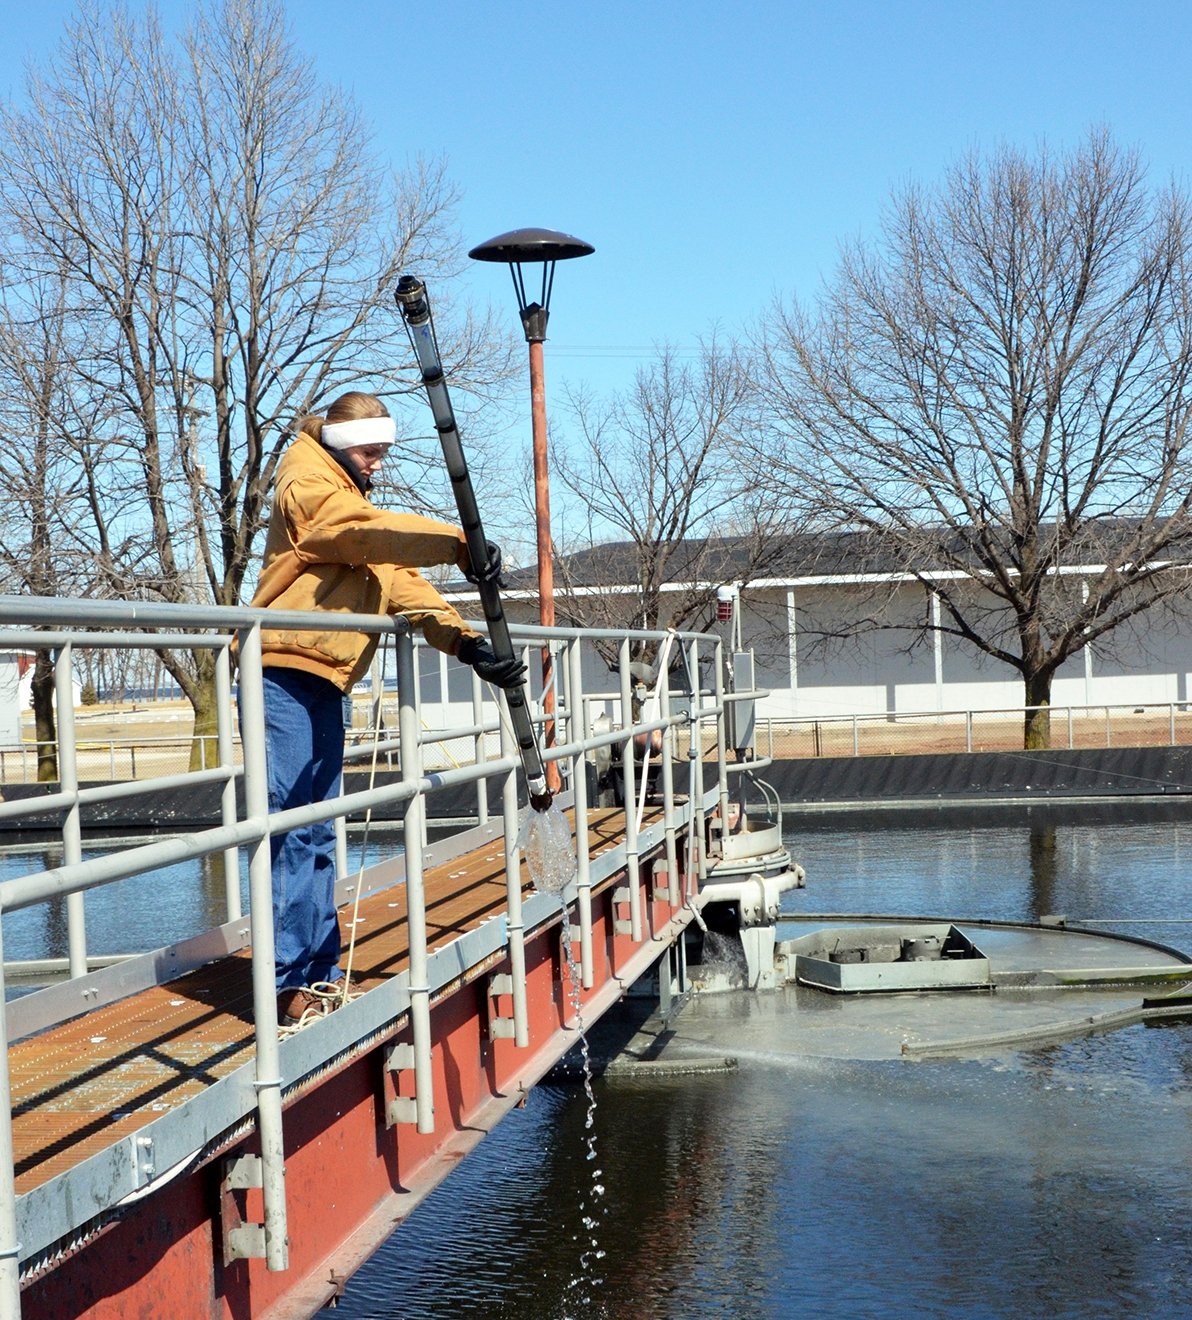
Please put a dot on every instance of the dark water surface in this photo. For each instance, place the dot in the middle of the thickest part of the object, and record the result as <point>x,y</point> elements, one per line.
<point>1045,1182</point>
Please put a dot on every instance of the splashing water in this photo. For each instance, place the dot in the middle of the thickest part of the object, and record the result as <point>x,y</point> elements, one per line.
<point>722,953</point>
<point>545,841</point>
<point>591,1208</point>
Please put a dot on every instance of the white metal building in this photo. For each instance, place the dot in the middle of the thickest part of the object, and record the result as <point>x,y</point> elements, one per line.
<point>864,672</point>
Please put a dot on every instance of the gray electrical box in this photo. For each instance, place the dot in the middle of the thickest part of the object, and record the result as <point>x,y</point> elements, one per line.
<point>741,714</point>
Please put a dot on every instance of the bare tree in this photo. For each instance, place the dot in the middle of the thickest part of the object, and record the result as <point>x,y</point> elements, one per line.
<point>40,551</point>
<point>657,478</point>
<point>999,392</point>
<point>232,246</point>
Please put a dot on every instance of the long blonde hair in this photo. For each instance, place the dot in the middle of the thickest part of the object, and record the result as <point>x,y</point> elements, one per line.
<point>348,407</point>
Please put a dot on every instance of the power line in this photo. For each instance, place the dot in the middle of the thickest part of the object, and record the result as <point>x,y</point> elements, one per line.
<point>614,351</point>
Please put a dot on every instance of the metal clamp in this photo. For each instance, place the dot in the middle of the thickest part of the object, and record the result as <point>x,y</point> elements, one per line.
<point>499,1026</point>
<point>399,1058</point>
<point>622,898</point>
<point>242,1240</point>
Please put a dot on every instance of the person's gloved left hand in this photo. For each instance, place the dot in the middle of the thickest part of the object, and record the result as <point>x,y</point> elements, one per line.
<point>490,571</point>
<point>475,651</point>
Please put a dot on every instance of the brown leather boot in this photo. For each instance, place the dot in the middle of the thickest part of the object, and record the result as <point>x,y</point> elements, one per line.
<point>297,1006</point>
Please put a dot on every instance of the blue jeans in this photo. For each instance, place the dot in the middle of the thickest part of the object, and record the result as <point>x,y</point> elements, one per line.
<point>304,750</point>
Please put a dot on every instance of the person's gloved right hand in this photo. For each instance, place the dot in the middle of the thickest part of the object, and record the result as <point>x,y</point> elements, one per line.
<point>475,651</point>
<point>490,571</point>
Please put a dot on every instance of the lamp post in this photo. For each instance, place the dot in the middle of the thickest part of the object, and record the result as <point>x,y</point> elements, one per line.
<point>516,249</point>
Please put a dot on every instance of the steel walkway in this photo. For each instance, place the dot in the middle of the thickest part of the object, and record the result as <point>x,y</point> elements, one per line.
<point>108,1079</point>
<point>164,1153</point>
<point>79,1087</point>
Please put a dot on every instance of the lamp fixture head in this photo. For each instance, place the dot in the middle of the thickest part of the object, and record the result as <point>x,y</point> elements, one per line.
<point>521,247</point>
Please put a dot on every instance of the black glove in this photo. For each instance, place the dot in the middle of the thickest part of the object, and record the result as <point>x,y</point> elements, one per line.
<point>490,571</point>
<point>475,651</point>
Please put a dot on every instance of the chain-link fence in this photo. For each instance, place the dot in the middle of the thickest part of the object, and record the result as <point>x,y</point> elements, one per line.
<point>108,760</point>
<point>122,744</point>
<point>917,733</point>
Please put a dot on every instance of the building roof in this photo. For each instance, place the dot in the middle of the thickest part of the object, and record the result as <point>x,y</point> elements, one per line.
<point>823,555</point>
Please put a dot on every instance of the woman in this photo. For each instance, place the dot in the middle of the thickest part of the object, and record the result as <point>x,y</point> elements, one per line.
<point>329,548</point>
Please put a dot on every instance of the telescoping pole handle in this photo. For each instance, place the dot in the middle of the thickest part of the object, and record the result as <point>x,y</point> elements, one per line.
<point>415,310</point>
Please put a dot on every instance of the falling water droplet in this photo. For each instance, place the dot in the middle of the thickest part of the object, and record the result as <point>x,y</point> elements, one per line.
<point>591,1206</point>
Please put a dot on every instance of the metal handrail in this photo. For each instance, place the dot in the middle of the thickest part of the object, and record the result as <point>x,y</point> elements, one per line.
<point>64,625</point>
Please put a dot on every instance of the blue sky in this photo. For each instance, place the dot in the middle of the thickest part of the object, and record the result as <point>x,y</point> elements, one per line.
<point>716,154</point>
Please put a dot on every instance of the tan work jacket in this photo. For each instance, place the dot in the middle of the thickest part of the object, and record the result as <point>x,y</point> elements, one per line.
<point>329,548</point>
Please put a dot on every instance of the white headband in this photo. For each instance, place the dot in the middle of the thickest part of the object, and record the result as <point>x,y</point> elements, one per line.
<point>363,431</point>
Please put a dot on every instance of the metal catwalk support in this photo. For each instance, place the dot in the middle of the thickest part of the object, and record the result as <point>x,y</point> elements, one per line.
<point>578,733</point>
<point>629,777</point>
<point>515,923</point>
<point>10,1247</point>
<point>68,782</point>
<point>721,742</point>
<point>480,747</point>
<point>267,1082</point>
<point>516,929</point>
<point>225,747</point>
<point>414,833</point>
<point>695,865</point>
<point>668,789</point>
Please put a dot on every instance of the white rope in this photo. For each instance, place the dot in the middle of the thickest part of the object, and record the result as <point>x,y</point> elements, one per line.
<point>330,995</point>
<point>344,993</point>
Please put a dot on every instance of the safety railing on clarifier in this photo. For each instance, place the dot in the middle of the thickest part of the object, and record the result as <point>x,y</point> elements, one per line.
<point>29,623</point>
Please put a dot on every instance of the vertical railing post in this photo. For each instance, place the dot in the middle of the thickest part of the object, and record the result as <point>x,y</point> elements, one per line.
<point>694,777</point>
<point>412,831</point>
<point>629,785</point>
<point>68,779</point>
<point>701,823</point>
<point>264,963</point>
<point>578,732</point>
<point>227,759</point>
<point>562,670</point>
<point>10,1248</point>
<point>668,790</point>
<point>1171,724</point>
<point>515,923</point>
<point>416,688</point>
<point>721,742</point>
<point>341,848</point>
<point>480,752</point>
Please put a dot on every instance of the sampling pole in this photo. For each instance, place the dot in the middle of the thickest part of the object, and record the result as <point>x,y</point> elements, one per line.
<point>415,310</point>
